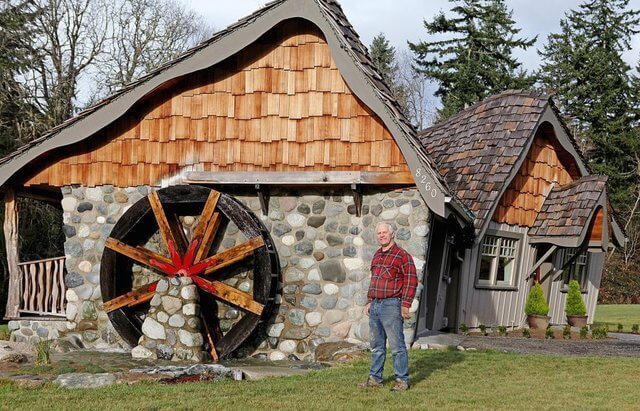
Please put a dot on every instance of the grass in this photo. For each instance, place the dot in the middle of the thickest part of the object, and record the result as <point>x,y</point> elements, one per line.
<point>441,379</point>
<point>4,332</point>
<point>614,314</point>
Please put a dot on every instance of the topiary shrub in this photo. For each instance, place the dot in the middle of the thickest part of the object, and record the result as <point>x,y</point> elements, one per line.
<point>536,303</point>
<point>526,333</point>
<point>575,304</point>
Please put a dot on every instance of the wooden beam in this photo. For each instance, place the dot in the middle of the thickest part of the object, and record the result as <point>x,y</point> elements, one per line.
<point>357,198</point>
<point>301,177</point>
<point>541,260</point>
<point>229,295</point>
<point>138,254</point>
<point>207,333</point>
<point>208,237</point>
<point>11,246</point>
<point>135,297</point>
<point>263,195</point>
<point>164,225</point>
<point>207,227</point>
<point>233,255</point>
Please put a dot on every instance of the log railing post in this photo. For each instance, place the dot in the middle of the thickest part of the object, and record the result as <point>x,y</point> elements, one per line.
<point>11,244</point>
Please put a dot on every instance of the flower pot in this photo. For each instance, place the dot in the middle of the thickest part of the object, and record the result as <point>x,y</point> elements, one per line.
<point>538,322</point>
<point>577,320</point>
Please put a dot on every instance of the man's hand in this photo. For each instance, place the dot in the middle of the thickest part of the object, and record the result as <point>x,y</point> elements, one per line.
<point>405,313</point>
<point>367,308</point>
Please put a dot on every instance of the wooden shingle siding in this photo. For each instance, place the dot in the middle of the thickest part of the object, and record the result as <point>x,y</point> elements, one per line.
<point>279,105</point>
<point>523,199</point>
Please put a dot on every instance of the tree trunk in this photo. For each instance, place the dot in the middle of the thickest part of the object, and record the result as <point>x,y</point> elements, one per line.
<point>11,243</point>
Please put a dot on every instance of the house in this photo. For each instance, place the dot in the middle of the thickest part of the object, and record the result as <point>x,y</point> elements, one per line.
<point>539,214</point>
<point>257,164</point>
<point>254,168</point>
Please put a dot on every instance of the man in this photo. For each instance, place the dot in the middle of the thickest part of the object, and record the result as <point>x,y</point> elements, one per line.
<point>393,285</point>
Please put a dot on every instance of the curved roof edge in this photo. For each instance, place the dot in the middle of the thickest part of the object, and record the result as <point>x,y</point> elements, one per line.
<point>350,57</point>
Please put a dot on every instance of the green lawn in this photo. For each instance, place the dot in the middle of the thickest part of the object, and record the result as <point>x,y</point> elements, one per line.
<point>614,314</point>
<point>4,331</point>
<point>441,379</point>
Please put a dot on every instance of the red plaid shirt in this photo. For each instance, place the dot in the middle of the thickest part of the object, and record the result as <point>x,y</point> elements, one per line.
<point>393,274</point>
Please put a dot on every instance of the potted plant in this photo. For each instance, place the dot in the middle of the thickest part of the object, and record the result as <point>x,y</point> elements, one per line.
<point>537,308</point>
<point>575,309</point>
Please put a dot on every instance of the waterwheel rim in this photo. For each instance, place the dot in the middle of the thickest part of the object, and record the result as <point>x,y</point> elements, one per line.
<point>141,221</point>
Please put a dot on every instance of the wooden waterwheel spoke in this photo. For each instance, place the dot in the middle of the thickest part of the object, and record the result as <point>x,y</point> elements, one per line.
<point>175,225</point>
<point>207,226</point>
<point>233,255</point>
<point>212,351</point>
<point>138,254</point>
<point>164,226</point>
<point>229,295</point>
<point>135,297</point>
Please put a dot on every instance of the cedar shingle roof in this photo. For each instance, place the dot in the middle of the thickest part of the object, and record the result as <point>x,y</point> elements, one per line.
<point>567,209</point>
<point>477,149</point>
<point>345,34</point>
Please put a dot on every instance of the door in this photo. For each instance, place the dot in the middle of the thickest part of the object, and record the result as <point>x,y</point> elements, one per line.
<point>431,314</point>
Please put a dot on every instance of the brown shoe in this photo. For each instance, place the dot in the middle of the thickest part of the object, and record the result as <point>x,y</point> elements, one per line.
<point>370,383</point>
<point>399,386</point>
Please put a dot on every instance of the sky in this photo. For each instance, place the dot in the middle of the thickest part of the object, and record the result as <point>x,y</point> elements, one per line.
<point>402,20</point>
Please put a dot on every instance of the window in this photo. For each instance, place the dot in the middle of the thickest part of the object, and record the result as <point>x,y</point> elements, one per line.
<point>577,270</point>
<point>498,261</point>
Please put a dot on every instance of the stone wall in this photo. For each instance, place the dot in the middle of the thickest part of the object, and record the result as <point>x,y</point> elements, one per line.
<point>324,250</point>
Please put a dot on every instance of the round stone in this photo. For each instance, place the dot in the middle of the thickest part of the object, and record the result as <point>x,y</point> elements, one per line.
<point>141,352</point>
<point>405,209</point>
<point>84,206</point>
<point>93,193</point>
<point>162,286</point>
<point>84,231</point>
<point>176,320</point>
<point>353,263</point>
<point>69,204</point>
<point>277,356</point>
<point>189,292</point>
<point>308,302</point>
<point>329,303</point>
<point>153,329</point>
<point>318,206</point>
<point>156,300</point>
<point>72,310</point>
<point>84,266</point>
<point>348,291</point>
<point>341,330</point>
<point>306,262</point>
<point>334,239</point>
<point>171,304</point>
<point>274,330</point>
<point>288,346</point>
<point>358,241</point>
<point>190,309</point>
<point>319,245</point>
<point>190,339</point>
<point>293,275</point>
<point>121,197</point>
<point>421,230</point>
<point>316,221</point>
<point>389,214</point>
<point>331,289</point>
<point>296,316</point>
<point>313,288</point>
<point>314,275</point>
<point>296,220</point>
<point>303,248</point>
<point>288,240</point>
<point>281,228</point>
<point>162,317</point>
<point>72,280</point>
<point>313,318</point>
<point>244,286</point>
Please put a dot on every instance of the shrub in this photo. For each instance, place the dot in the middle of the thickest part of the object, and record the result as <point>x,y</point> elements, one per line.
<point>549,335</point>
<point>464,329</point>
<point>575,304</point>
<point>4,335</point>
<point>584,332</point>
<point>483,329</point>
<point>526,333</point>
<point>600,332</point>
<point>566,332</point>
<point>620,328</point>
<point>634,328</point>
<point>502,330</point>
<point>43,349</point>
<point>536,303</point>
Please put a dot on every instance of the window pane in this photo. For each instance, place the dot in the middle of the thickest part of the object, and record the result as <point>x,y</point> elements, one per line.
<point>490,245</point>
<point>505,270</point>
<point>485,268</point>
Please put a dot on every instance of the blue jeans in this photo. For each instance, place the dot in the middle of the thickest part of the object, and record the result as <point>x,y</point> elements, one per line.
<point>386,322</point>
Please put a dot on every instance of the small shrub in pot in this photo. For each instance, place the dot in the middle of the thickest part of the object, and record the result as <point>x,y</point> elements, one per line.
<point>537,308</point>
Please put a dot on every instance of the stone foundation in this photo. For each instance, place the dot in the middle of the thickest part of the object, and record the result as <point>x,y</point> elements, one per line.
<point>172,328</point>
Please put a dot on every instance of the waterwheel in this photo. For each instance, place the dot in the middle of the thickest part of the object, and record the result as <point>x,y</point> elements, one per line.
<point>191,254</point>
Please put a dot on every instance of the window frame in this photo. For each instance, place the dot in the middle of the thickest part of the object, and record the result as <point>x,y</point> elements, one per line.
<point>564,254</point>
<point>492,283</point>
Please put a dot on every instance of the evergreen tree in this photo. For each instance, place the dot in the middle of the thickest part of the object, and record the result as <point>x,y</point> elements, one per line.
<point>16,33</point>
<point>383,56</point>
<point>475,60</point>
<point>583,67</point>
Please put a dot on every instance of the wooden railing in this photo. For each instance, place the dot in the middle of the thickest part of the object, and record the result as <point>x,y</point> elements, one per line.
<point>42,287</point>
